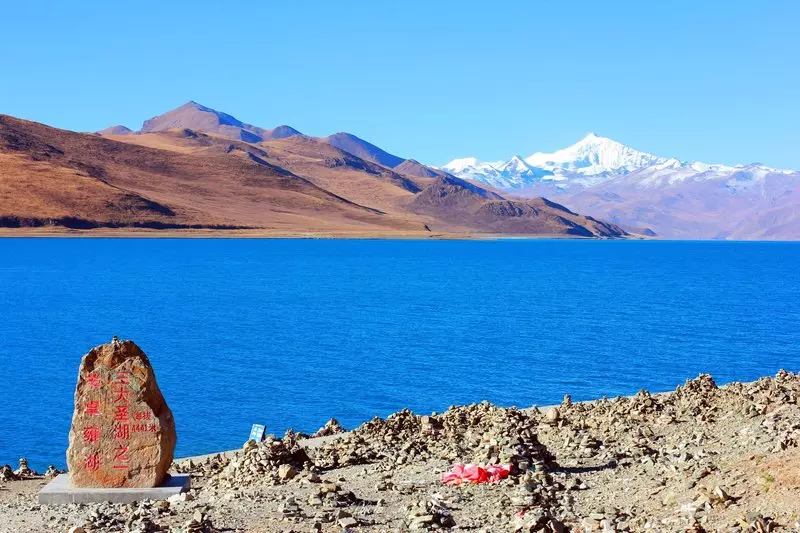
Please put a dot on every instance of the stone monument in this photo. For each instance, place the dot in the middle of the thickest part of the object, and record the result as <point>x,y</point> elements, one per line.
<point>123,434</point>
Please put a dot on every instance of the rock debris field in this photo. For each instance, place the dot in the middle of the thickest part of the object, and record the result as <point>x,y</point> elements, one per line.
<point>700,458</point>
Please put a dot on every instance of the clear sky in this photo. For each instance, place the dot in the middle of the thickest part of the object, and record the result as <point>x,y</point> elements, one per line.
<point>715,81</point>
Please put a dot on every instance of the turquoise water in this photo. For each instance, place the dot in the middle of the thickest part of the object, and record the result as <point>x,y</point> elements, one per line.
<point>292,332</point>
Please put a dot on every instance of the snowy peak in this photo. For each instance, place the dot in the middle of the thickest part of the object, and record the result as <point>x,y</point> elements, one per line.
<point>588,161</point>
<point>520,174</point>
<point>512,174</point>
<point>460,165</point>
<point>594,156</point>
<point>515,164</point>
<point>596,160</point>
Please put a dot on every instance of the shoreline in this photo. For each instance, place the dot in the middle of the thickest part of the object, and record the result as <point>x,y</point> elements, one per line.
<point>260,234</point>
<point>314,442</point>
<point>301,235</point>
<point>698,458</point>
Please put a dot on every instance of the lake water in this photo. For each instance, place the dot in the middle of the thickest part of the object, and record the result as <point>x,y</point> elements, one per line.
<point>292,332</point>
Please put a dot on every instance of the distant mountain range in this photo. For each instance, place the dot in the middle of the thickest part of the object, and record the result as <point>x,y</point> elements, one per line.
<point>195,167</point>
<point>672,198</point>
<point>198,169</point>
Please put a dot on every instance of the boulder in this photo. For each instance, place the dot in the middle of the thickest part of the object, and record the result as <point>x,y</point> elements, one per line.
<point>123,432</point>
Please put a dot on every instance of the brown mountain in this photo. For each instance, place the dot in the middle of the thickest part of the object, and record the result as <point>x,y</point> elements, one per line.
<point>415,168</point>
<point>361,148</point>
<point>51,177</point>
<point>194,116</point>
<point>184,179</point>
<point>119,129</point>
<point>369,152</point>
<point>198,117</point>
<point>463,203</point>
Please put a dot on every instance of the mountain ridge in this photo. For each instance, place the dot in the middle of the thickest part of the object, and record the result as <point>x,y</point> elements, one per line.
<point>197,117</point>
<point>678,199</point>
<point>171,177</point>
<point>194,116</point>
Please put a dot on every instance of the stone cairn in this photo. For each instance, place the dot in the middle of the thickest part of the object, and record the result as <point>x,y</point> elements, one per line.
<point>479,433</point>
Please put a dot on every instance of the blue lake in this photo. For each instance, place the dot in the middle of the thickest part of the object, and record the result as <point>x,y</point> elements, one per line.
<point>292,332</point>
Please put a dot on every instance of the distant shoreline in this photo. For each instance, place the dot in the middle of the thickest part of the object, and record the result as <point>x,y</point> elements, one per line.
<point>312,235</point>
<point>266,234</point>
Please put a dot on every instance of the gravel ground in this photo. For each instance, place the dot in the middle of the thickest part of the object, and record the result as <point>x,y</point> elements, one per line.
<point>700,458</point>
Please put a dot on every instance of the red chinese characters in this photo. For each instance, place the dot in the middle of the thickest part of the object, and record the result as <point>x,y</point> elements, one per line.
<point>92,408</point>
<point>121,413</point>
<point>92,461</point>
<point>121,458</point>
<point>122,431</point>
<point>93,380</point>
<point>91,434</point>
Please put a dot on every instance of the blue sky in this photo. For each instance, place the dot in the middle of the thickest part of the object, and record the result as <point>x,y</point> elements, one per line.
<point>716,81</point>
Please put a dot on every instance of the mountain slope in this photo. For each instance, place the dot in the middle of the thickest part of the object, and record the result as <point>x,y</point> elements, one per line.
<point>465,204</point>
<point>743,203</point>
<point>361,148</point>
<point>197,117</point>
<point>50,174</point>
<point>369,152</point>
<point>411,167</point>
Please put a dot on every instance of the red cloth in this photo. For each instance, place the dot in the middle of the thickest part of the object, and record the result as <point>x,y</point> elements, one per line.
<point>475,474</point>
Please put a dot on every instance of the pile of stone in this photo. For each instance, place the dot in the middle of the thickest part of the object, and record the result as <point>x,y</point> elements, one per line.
<point>627,428</point>
<point>431,513</point>
<point>540,521</point>
<point>7,474</point>
<point>695,400</point>
<point>478,433</point>
<point>331,427</point>
<point>52,472</point>
<point>330,501</point>
<point>271,461</point>
<point>143,517</point>
<point>103,518</point>
<point>331,494</point>
<point>611,519</point>
<point>765,395</point>
<point>24,472</point>
<point>199,523</point>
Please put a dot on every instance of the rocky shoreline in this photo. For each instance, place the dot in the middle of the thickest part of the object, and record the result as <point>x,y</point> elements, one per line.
<point>700,458</point>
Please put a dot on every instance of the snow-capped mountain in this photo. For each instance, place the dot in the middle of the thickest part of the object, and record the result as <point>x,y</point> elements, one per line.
<point>520,173</point>
<point>472,169</point>
<point>591,161</point>
<point>594,156</point>
<point>674,198</point>
<point>512,174</point>
<point>585,162</point>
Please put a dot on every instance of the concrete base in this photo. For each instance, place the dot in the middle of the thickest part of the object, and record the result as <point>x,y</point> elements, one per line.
<point>59,491</point>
